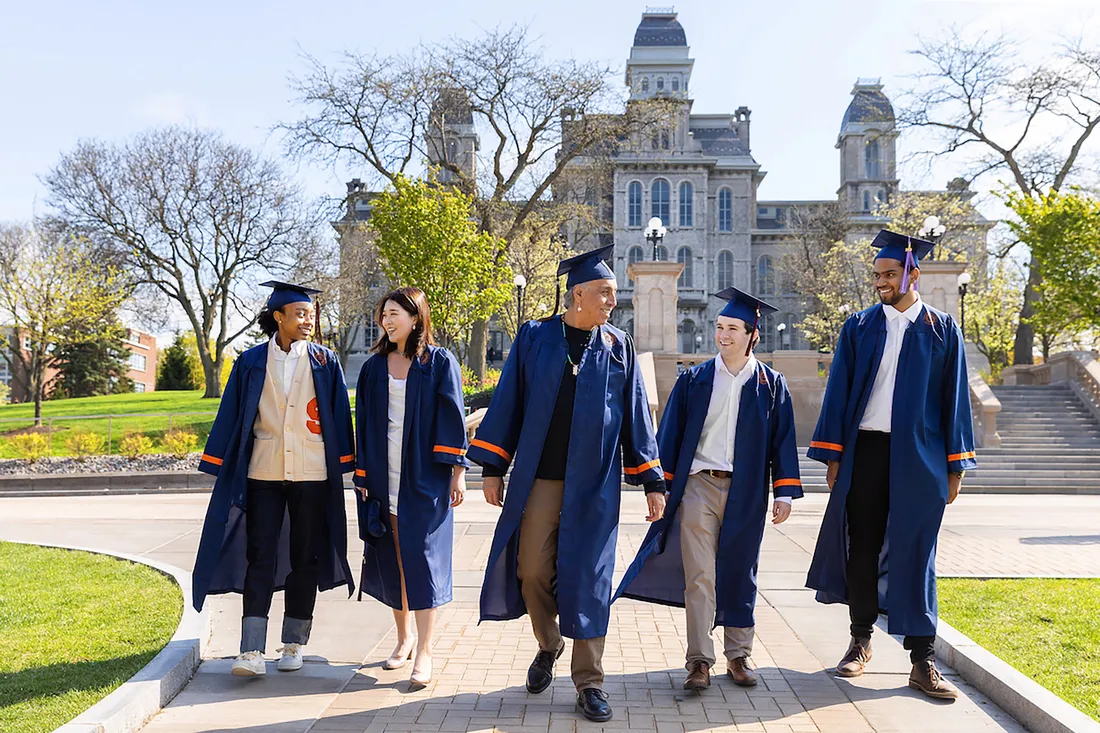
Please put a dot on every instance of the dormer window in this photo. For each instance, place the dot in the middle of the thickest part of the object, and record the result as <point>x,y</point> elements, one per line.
<point>660,83</point>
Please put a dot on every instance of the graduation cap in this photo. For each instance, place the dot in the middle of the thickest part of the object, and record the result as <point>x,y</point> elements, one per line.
<point>744,306</point>
<point>587,266</point>
<point>904,249</point>
<point>285,293</point>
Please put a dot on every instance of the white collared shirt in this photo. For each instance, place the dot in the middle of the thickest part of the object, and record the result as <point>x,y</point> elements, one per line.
<point>286,363</point>
<point>880,405</point>
<point>715,449</point>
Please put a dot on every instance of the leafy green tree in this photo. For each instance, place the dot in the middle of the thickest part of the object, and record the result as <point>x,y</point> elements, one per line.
<point>176,367</point>
<point>427,238</point>
<point>992,309</point>
<point>842,282</point>
<point>1062,230</point>
<point>92,359</point>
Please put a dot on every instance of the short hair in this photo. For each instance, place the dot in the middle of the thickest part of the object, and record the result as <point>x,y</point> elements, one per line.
<point>267,323</point>
<point>415,303</point>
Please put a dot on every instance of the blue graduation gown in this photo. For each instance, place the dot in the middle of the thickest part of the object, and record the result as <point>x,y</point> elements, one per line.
<point>764,448</point>
<point>932,435</point>
<point>221,561</point>
<point>434,442</point>
<point>611,434</point>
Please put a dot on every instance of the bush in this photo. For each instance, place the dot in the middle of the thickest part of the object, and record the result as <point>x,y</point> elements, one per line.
<point>479,399</point>
<point>133,445</point>
<point>180,443</point>
<point>83,445</point>
<point>31,446</point>
<point>471,386</point>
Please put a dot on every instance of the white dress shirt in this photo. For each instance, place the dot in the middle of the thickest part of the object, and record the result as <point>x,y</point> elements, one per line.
<point>716,442</point>
<point>877,414</point>
<point>395,437</point>
<point>286,362</point>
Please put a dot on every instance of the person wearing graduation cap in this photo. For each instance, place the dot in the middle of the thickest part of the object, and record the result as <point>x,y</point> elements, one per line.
<point>410,432</point>
<point>571,416</point>
<point>279,447</point>
<point>896,433</point>
<point>726,434</point>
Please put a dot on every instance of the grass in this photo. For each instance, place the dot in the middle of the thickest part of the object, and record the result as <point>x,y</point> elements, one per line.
<point>1049,629</point>
<point>73,627</point>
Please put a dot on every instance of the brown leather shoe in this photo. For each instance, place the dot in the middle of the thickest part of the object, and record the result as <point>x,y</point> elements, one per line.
<point>698,678</point>
<point>859,653</point>
<point>926,678</point>
<point>740,670</point>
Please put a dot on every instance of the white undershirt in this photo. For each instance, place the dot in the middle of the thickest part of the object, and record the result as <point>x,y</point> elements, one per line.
<point>878,413</point>
<point>395,437</point>
<point>286,362</point>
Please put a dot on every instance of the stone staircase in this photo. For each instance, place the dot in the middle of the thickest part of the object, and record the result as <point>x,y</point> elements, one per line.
<point>1050,443</point>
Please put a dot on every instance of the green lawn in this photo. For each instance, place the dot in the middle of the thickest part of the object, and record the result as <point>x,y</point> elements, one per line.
<point>73,627</point>
<point>63,413</point>
<point>1047,629</point>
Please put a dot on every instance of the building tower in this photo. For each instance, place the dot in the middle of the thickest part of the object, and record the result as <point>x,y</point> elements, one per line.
<point>450,137</point>
<point>868,147</point>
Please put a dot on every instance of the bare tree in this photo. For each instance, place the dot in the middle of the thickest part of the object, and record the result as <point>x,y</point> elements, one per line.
<point>985,104</point>
<point>200,219</point>
<point>537,116</point>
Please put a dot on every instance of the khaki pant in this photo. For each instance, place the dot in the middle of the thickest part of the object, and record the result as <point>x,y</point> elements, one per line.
<point>538,569</point>
<point>700,514</point>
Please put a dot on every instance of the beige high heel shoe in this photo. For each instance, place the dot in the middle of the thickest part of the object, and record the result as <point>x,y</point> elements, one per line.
<point>422,671</point>
<point>400,657</point>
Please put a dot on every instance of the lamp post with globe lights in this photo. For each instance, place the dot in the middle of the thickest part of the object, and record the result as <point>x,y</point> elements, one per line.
<point>654,234</point>
<point>964,282</point>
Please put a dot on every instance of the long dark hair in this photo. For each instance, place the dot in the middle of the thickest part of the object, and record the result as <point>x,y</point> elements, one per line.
<point>267,322</point>
<point>414,302</point>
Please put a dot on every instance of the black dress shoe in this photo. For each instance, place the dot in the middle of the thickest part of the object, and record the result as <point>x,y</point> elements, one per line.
<point>593,703</point>
<point>541,672</point>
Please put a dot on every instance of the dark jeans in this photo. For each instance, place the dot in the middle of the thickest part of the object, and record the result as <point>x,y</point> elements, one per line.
<point>268,501</point>
<point>868,508</point>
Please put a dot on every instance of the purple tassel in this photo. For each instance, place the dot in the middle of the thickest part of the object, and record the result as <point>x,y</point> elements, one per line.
<point>910,263</point>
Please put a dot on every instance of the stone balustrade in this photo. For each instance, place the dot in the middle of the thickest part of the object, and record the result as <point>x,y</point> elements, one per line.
<point>984,407</point>
<point>1079,369</point>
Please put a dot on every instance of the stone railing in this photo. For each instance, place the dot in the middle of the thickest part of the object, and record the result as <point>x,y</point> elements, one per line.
<point>984,407</point>
<point>473,420</point>
<point>1079,369</point>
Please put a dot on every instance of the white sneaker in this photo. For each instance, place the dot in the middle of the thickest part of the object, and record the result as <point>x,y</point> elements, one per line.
<point>291,661</point>
<point>249,664</point>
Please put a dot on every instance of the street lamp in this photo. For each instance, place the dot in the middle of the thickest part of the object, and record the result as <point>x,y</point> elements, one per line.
<point>932,230</point>
<point>654,233</point>
<point>964,281</point>
<point>781,328</point>
<point>520,282</point>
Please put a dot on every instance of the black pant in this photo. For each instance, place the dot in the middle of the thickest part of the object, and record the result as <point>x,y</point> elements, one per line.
<point>868,508</point>
<point>268,501</point>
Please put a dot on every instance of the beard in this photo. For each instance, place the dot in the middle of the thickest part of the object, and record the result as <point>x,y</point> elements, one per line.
<point>892,299</point>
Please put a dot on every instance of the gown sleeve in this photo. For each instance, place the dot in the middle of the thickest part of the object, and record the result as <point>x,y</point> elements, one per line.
<point>449,444</point>
<point>958,423</point>
<point>828,441</point>
<point>786,481</point>
<point>670,435</point>
<point>341,411</point>
<point>641,463</point>
<point>495,442</point>
<point>225,424</point>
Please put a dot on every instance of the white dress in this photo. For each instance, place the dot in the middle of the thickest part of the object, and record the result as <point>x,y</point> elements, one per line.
<point>395,437</point>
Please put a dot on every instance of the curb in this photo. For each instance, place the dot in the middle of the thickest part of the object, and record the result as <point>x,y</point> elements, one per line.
<point>113,482</point>
<point>1037,708</point>
<point>142,696</point>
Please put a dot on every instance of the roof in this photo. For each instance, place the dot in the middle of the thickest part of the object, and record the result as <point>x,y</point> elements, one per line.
<point>719,141</point>
<point>660,29</point>
<point>868,105</point>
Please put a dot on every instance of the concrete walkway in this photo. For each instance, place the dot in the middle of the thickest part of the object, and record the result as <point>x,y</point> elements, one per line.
<point>480,669</point>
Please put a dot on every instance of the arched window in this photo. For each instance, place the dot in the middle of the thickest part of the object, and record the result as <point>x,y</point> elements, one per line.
<point>880,198</point>
<point>634,254</point>
<point>645,83</point>
<point>871,159</point>
<point>660,203</point>
<point>683,256</point>
<point>725,270</point>
<point>675,83</point>
<point>765,276</point>
<point>725,210</point>
<point>866,200</point>
<point>662,253</point>
<point>660,83</point>
<point>634,204</point>
<point>767,333</point>
<point>688,331</point>
<point>687,204</point>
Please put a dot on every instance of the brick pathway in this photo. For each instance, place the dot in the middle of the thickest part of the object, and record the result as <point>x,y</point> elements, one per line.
<point>480,669</point>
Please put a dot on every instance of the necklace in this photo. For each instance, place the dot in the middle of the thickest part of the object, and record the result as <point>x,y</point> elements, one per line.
<point>568,356</point>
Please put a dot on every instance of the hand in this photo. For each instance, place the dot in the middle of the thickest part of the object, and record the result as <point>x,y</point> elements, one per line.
<point>656,502</point>
<point>493,488</point>
<point>780,511</point>
<point>458,486</point>
<point>954,485</point>
<point>830,475</point>
<point>362,491</point>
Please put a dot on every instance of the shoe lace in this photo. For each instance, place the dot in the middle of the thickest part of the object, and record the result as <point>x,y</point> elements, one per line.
<point>933,673</point>
<point>289,649</point>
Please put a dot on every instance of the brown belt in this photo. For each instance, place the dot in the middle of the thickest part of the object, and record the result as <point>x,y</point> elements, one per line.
<point>717,474</point>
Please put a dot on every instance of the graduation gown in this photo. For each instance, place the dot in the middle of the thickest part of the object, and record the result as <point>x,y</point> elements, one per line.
<point>221,562</point>
<point>434,441</point>
<point>765,452</point>
<point>932,435</point>
<point>611,435</point>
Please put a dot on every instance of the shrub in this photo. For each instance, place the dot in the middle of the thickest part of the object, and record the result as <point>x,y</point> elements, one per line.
<point>83,445</point>
<point>180,443</point>
<point>31,446</point>
<point>133,445</point>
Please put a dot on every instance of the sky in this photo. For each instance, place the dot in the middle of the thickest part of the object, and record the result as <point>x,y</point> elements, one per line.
<point>72,70</point>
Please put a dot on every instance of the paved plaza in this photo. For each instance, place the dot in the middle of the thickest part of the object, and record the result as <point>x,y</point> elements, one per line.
<point>480,669</point>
